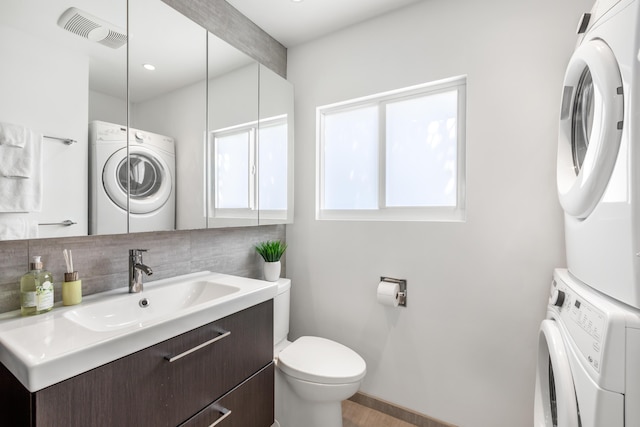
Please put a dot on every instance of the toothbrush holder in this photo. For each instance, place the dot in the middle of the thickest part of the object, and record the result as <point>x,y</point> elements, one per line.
<point>71,289</point>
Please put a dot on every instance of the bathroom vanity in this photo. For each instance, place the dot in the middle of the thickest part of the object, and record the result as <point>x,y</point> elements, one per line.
<point>220,373</point>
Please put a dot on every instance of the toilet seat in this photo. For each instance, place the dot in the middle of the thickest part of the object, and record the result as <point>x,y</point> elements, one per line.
<point>322,361</point>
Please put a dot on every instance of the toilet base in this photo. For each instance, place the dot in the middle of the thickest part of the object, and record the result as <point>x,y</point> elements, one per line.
<point>294,407</point>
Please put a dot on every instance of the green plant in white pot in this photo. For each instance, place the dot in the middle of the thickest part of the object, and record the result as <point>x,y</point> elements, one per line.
<point>271,251</point>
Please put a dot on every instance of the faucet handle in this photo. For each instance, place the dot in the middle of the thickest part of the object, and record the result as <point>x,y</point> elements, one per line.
<point>134,252</point>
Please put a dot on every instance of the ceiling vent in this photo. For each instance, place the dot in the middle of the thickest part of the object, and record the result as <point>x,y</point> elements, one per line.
<point>95,29</point>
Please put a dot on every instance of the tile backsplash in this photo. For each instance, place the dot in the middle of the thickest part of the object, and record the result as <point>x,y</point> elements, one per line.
<point>102,261</point>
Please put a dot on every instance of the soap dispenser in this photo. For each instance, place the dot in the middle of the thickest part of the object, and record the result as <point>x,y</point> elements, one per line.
<point>36,289</point>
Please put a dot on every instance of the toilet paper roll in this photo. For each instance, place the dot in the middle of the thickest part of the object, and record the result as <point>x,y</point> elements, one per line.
<point>388,294</point>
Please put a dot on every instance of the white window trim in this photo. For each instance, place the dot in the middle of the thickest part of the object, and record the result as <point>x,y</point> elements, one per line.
<point>384,213</point>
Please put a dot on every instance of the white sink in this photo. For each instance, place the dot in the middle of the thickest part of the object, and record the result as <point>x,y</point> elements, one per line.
<point>48,348</point>
<point>148,306</point>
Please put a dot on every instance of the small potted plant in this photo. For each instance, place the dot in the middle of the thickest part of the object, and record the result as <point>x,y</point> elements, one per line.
<point>271,251</point>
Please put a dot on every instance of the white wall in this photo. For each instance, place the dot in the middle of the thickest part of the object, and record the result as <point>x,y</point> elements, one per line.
<point>107,108</point>
<point>464,350</point>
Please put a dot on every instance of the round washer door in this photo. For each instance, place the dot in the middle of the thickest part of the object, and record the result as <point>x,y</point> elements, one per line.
<point>555,398</point>
<point>149,180</point>
<point>590,127</point>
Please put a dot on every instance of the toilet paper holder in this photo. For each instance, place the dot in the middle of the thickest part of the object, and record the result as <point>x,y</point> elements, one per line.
<point>402,294</point>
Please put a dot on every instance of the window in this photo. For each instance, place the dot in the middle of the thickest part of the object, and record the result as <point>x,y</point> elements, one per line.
<point>394,156</point>
<point>250,170</point>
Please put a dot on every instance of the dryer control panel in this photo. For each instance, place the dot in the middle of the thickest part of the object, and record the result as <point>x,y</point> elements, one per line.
<point>586,324</point>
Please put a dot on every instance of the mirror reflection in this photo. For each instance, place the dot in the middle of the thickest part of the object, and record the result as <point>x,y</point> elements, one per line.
<point>153,147</point>
<point>167,101</point>
<point>275,159</point>
<point>48,79</point>
<point>232,119</point>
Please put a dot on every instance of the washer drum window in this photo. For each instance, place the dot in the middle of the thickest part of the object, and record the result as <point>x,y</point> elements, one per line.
<point>149,180</point>
<point>555,398</point>
<point>590,127</point>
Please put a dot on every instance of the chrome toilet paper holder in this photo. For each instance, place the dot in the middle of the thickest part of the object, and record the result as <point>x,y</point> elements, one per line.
<point>402,294</point>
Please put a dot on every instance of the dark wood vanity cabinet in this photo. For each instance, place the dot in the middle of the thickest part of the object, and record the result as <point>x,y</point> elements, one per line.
<point>221,371</point>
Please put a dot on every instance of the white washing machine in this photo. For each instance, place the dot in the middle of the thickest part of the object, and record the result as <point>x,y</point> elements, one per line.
<point>598,167</point>
<point>149,175</point>
<point>588,373</point>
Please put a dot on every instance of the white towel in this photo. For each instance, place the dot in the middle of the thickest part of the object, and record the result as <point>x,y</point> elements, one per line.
<point>24,194</point>
<point>17,227</point>
<point>18,162</point>
<point>12,135</point>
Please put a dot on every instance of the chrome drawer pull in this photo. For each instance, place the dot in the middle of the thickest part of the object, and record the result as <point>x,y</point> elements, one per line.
<point>196,348</point>
<point>225,413</point>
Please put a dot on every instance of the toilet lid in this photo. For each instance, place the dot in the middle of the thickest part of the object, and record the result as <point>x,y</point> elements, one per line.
<point>321,360</point>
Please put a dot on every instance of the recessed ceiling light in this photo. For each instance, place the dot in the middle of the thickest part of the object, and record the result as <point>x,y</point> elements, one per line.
<point>149,67</point>
<point>297,1</point>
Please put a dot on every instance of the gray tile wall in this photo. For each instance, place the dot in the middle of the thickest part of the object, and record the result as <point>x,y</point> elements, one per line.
<point>102,261</point>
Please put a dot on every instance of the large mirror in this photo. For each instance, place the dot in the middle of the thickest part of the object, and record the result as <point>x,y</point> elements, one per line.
<point>145,148</point>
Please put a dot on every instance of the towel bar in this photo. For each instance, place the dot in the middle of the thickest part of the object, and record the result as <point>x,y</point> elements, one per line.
<point>67,141</point>
<point>66,223</point>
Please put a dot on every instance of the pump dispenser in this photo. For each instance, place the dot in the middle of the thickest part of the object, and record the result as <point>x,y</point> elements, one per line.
<point>36,289</point>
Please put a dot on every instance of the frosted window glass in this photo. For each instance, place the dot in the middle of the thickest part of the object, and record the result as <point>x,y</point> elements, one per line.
<point>232,171</point>
<point>272,144</point>
<point>351,159</point>
<point>421,151</point>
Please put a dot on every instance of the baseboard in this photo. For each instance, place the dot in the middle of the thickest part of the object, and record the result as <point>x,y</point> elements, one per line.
<point>397,411</point>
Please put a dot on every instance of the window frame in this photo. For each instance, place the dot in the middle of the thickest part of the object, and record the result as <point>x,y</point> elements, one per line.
<point>383,212</point>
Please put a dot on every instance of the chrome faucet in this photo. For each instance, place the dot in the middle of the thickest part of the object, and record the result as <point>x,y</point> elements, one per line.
<point>136,268</point>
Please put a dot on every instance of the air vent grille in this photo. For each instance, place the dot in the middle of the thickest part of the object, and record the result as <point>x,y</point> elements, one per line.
<point>92,28</point>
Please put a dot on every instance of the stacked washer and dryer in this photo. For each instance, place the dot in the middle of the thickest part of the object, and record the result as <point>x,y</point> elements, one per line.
<point>588,371</point>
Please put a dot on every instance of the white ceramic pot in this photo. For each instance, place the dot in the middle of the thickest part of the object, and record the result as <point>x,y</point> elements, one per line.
<point>272,271</point>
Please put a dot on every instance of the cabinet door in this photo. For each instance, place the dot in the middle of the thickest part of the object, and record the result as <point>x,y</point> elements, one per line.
<point>249,405</point>
<point>147,389</point>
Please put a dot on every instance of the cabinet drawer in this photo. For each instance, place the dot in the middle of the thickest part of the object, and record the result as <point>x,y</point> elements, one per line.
<point>249,405</point>
<point>165,384</point>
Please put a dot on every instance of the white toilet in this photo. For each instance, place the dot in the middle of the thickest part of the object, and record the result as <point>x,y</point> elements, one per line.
<point>313,376</point>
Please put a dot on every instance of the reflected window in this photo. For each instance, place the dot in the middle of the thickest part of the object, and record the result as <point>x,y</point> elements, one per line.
<point>250,168</point>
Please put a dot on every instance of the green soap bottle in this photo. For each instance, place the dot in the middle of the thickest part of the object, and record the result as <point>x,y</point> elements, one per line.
<point>36,289</point>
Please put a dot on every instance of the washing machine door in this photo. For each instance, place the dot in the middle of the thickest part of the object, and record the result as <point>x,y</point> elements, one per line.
<point>590,127</point>
<point>149,177</point>
<point>555,396</point>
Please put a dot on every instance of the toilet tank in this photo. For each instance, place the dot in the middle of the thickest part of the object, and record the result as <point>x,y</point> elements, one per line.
<point>281,311</point>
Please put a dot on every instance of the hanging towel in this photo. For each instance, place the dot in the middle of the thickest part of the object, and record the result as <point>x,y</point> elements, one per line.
<point>17,227</point>
<point>24,194</point>
<point>12,135</point>
<point>18,162</point>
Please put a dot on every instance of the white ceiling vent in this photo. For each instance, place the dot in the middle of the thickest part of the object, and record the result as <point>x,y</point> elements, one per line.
<point>90,27</point>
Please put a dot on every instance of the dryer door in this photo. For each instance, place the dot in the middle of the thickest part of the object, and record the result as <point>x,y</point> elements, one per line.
<point>555,398</point>
<point>149,178</point>
<point>590,127</point>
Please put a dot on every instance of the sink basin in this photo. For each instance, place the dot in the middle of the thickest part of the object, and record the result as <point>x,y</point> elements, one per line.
<point>43,350</point>
<point>147,306</point>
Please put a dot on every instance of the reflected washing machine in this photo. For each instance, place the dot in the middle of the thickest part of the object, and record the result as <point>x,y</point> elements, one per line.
<point>598,167</point>
<point>588,373</point>
<point>149,175</point>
